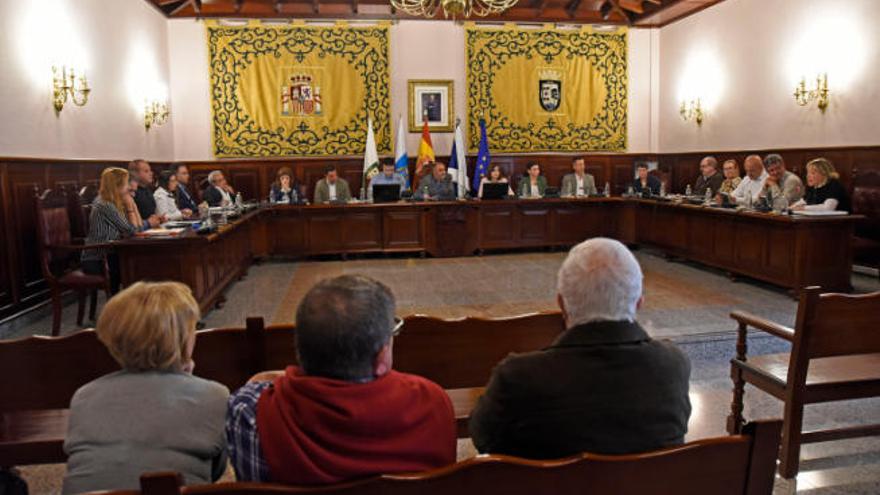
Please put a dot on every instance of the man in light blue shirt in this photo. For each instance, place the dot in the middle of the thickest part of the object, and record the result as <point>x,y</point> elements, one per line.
<point>388,176</point>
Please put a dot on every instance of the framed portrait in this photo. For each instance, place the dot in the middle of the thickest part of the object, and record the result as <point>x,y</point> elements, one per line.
<point>431,99</point>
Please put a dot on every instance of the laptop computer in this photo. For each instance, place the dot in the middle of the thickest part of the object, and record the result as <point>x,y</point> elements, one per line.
<point>495,190</point>
<point>386,193</point>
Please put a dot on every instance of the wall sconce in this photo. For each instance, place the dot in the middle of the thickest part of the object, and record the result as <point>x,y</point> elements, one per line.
<point>66,85</point>
<point>692,111</point>
<point>155,113</point>
<point>819,94</point>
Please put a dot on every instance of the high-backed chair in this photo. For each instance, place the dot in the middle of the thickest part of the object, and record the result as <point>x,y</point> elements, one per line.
<point>866,201</point>
<point>734,465</point>
<point>835,356</point>
<point>59,257</point>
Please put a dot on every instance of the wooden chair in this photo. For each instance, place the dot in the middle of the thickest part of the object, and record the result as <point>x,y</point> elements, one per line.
<point>59,258</point>
<point>736,465</point>
<point>462,353</point>
<point>41,375</point>
<point>835,356</point>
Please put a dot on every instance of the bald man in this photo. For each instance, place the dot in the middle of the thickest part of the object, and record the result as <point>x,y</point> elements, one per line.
<point>752,184</point>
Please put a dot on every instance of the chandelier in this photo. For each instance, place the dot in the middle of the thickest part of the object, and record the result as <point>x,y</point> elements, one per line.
<point>452,8</point>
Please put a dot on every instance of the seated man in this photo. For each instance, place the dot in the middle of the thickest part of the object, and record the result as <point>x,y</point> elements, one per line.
<point>343,413</point>
<point>437,185</point>
<point>388,176</point>
<point>219,192</point>
<point>780,182</point>
<point>749,190</point>
<point>578,183</point>
<point>185,200</point>
<point>604,386</point>
<point>710,178</point>
<point>141,175</point>
<point>332,187</point>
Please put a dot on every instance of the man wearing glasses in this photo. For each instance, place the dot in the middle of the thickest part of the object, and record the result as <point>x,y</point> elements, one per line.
<point>343,413</point>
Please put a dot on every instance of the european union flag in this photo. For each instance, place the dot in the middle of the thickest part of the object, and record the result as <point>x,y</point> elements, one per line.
<point>483,157</point>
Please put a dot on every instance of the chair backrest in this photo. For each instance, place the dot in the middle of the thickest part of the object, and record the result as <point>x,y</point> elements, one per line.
<point>836,325</point>
<point>866,201</point>
<point>735,465</point>
<point>232,355</point>
<point>44,372</point>
<point>80,207</point>
<point>462,353</point>
<point>53,226</point>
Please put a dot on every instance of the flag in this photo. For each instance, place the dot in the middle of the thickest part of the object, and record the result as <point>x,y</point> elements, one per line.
<point>400,160</point>
<point>426,153</point>
<point>482,157</point>
<point>458,163</point>
<point>371,158</point>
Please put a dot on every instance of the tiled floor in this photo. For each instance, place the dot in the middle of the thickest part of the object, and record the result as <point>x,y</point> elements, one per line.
<point>685,302</point>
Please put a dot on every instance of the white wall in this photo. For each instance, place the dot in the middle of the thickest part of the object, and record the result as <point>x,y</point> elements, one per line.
<point>745,57</point>
<point>418,50</point>
<point>122,45</point>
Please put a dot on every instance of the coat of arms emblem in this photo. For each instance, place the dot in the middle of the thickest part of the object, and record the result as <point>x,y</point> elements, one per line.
<point>550,89</point>
<point>300,97</point>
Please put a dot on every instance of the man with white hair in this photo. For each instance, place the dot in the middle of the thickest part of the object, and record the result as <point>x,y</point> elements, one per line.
<point>219,192</point>
<point>604,386</point>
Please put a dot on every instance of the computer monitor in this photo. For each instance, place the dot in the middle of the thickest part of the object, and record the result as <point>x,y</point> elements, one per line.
<point>495,190</point>
<point>386,193</point>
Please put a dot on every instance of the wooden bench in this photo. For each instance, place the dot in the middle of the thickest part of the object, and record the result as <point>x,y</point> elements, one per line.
<point>835,356</point>
<point>48,371</point>
<point>735,465</point>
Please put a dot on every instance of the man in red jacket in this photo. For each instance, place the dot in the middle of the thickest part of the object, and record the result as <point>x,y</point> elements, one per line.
<point>343,413</point>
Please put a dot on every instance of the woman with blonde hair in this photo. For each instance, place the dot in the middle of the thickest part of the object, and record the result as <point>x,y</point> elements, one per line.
<point>153,414</point>
<point>114,216</point>
<point>824,190</point>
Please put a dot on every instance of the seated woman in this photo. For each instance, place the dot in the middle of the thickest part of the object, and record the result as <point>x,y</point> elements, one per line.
<point>114,216</point>
<point>645,183</point>
<point>496,175</point>
<point>285,190</point>
<point>824,190</point>
<point>153,414</point>
<point>166,197</point>
<point>533,184</point>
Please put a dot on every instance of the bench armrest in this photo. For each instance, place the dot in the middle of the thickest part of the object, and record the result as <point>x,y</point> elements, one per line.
<point>775,329</point>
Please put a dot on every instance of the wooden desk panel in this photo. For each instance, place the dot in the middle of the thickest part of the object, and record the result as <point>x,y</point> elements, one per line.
<point>788,251</point>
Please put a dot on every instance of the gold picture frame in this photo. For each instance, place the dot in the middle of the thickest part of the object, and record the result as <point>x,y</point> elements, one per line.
<point>431,93</point>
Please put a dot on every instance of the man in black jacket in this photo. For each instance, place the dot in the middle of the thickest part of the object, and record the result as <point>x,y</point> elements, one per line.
<point>604,386</point>
<point>141,174</point>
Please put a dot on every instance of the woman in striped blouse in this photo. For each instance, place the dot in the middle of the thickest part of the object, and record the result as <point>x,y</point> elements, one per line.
<point>114,216</point>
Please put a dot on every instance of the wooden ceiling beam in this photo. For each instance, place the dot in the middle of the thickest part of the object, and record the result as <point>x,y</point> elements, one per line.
<point>197,6</point>
<point>539,6</point>
<point>354,6</point>
<point>632,6</point>
<point>615,6</point>
<point>179,8</point>
<point>572,7</point>
<point>237,5</point>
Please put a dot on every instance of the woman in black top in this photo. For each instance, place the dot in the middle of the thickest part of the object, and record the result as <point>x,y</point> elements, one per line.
<point>824,190</point>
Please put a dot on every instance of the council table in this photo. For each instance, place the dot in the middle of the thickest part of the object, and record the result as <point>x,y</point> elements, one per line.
<point>789,251</point>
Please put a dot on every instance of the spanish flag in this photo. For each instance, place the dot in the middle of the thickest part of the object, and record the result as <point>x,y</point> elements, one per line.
<point>426,154</point>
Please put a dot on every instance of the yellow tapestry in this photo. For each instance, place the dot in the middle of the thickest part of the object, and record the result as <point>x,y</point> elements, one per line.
<point>547,89</point>
<point>297,90</point>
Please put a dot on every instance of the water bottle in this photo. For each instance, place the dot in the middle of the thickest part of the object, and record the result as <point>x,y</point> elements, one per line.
<point>294,196</point>
<point>749,200</point>
<point>630,192</point>
<point>425,194</point>
<point>708,198</point>
<point>607,191</point>
<point>239,202</point>
<point>662,189</point>
<point>688,191</point>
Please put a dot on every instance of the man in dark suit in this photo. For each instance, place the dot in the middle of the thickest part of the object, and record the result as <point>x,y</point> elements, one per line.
<point>184,198</point>
<point>604,386</point>
<point>710,178</point>
<point>141,174</point>
<point>219,192</point>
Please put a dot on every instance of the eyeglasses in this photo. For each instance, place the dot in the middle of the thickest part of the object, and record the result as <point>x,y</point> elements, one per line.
<point>398,326</point>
